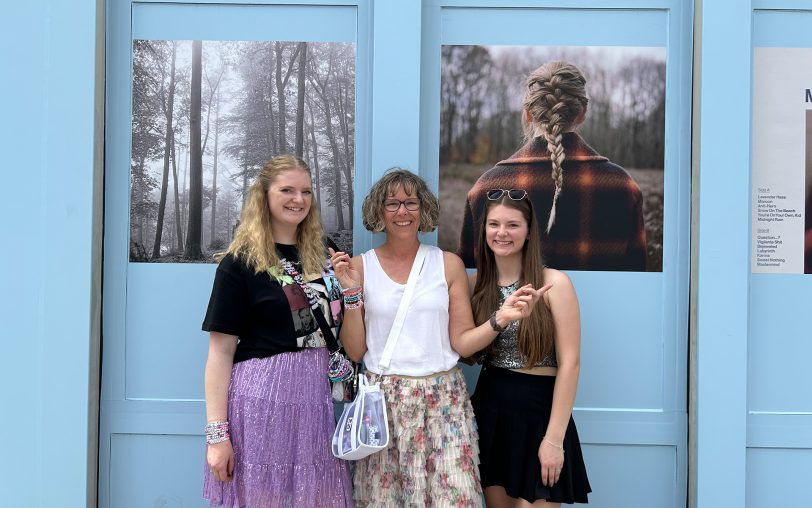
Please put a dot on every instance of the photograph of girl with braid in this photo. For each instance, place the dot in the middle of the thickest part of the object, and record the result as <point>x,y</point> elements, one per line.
<point>592,155</point>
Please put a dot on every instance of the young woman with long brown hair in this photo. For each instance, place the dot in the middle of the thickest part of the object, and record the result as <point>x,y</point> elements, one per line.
<point>529,447</point>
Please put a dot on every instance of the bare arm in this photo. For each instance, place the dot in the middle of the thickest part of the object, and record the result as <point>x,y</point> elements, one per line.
<point>566,316</point>
<point>220,456</point>
<point>466,337</point>
<point>350,273</point>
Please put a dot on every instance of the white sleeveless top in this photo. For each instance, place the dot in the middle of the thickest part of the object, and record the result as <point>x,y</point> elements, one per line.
<point>424,346</point>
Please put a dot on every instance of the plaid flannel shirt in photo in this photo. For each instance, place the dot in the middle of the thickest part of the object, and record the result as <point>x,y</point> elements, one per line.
<point>599,216</point>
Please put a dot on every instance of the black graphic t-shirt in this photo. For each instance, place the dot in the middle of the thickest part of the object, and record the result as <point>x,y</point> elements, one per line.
<point>269,312</point>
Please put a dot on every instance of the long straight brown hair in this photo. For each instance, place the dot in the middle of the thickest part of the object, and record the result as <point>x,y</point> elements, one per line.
<point>537,331</point>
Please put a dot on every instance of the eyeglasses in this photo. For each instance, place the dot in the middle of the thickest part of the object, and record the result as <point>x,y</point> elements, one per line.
<point>514,194</point>
<point>393,205</point>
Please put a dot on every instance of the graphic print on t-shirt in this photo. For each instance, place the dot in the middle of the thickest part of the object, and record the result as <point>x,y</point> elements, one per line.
<point>328,295</point>
<point>333,292</point>
<point>304,323</point>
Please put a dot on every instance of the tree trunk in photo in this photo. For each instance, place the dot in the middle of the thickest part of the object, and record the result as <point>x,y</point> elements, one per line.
<point>141,215</point>
<point>244,185</point>
<point>184,191</point>
<point>316,171</point>
<point>281,83</point>
<point>178,223</point>
<point>193,250</point>
<point>328,121</point>
<point>156,246</point>
<point>269,112</point>
<point>322,89</point>
<point>214,170</point>
<point>347,159</point>
<point>299,150</point>
<point>280,98</point>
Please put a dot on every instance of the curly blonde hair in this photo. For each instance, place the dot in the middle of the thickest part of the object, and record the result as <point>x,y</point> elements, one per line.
<point>373,212</point>
<point>555,98</point>
<point>254,241</point>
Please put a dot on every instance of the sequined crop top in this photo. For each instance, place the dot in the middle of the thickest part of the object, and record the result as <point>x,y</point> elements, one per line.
<point>505,351</point>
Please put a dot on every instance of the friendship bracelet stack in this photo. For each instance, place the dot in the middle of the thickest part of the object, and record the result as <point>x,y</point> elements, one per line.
<point>217,432</point>
<point>353,297</point>
<point>339,368</point>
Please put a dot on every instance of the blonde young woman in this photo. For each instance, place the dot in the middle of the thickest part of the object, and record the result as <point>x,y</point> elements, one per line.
<point>432,455</point>
<point>588,210</point>
<point>529,448</point>
<point>268,403</point>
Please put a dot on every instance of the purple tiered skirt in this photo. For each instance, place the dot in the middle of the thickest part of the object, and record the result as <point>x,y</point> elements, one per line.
<point>281,421</point>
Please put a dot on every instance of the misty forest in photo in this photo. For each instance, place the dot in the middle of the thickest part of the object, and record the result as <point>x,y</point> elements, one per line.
<point>206,116</point>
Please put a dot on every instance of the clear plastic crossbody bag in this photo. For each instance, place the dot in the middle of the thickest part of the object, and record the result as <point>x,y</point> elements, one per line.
<point>363,428</point>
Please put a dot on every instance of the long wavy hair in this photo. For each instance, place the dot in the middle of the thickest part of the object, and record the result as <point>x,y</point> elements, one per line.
<point>555,98</point>
<point>254,240</point>
<point>537,331</point>
<point>374,215</point>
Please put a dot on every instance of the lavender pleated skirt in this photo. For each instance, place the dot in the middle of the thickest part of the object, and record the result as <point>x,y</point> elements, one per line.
<point>281,420</point>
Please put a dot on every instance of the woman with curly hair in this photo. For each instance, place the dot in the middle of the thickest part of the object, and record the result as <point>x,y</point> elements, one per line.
<point>268,404</point>
<point>431,459</point>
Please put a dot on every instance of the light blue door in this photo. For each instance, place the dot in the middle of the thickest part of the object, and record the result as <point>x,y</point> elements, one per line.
<point>631,407</point>
<point>152,451</point>
<point>779,402</point>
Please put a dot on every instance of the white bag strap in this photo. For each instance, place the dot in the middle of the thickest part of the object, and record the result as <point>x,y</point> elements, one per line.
<point>400,317</point>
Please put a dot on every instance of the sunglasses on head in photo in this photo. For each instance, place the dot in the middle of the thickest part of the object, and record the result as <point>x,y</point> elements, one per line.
<point>514,194</point>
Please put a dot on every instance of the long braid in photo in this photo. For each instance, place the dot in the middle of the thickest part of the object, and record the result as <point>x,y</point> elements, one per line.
<point>556,97</point>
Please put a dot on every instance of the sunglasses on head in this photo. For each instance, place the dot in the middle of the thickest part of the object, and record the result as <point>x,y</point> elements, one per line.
<point>514,194</point>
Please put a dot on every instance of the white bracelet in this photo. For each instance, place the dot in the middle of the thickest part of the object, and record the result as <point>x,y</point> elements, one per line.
<point>560,447</point>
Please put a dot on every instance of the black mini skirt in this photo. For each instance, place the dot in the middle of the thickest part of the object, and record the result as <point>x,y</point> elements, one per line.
<point>512,412</point>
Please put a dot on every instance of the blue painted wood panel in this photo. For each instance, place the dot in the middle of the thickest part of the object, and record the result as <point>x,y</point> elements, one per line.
<point>156,470</point>
<point>631,404</point>
<point>778,477</point>
<point>633,384</point>
<point>642,476</point>
<point>50,237</point>
<point>779,401</point>
<point>152,387</point>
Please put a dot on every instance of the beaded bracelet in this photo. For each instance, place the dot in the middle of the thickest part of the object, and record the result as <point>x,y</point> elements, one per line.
<point>217,432</point>
<point>354,306</point>
<point>353,297</point>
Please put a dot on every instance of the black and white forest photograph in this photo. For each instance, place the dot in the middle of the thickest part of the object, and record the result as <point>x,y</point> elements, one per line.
<point>206,116</point>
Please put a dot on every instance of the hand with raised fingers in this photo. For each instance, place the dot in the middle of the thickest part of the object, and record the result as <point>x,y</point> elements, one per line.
<point>520,303</point>
<point>347,276</point>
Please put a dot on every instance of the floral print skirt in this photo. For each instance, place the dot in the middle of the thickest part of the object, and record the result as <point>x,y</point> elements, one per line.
<point>433,456</point>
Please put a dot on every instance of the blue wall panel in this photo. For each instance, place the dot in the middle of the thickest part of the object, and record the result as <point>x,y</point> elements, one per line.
<point>779,401</point>
<point>145,469</point>
<point>49,257</point>
<point>154,351</point>
<point>778,477</point>
<point>632,388</point>
<point>166,350</point>
<point>631,403</point>
<point>642,476</point>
